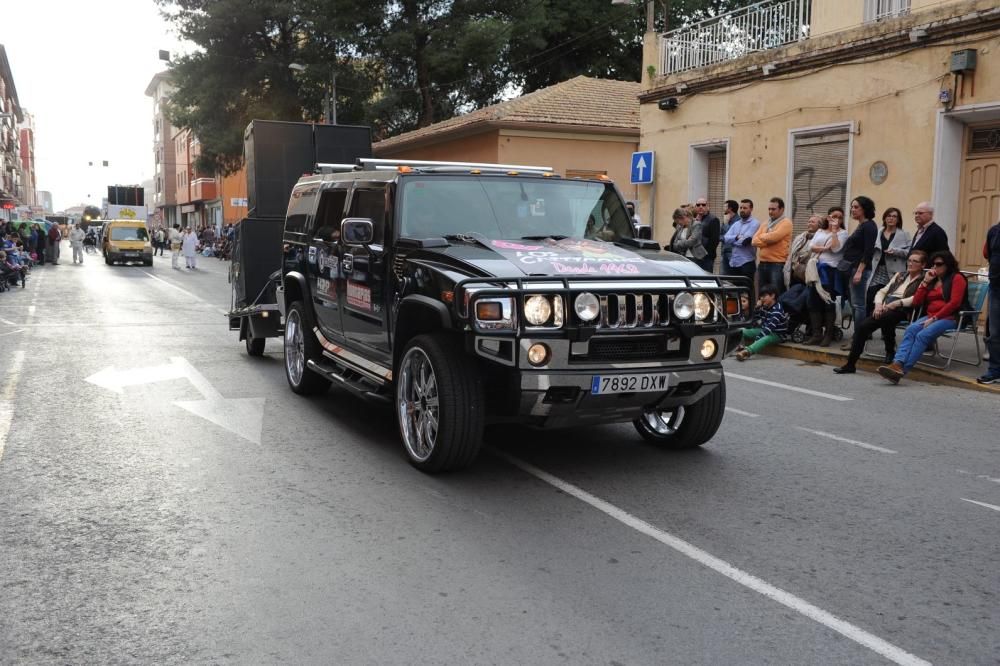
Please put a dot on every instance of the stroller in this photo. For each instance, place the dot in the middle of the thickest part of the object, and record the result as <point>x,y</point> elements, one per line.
<point>795,301</point>
<point>90,243</point>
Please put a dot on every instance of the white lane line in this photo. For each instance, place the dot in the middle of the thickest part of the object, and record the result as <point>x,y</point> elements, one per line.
<point>20,330</point>
<point>741,412</point>
<point>984,477</point>
<point>787,387</point>
<point>988,506</point>
<point>8,322</point>
<point>183,291</point>
<point>7,397</point>
<point>864,445</point>
<point>787,599</point>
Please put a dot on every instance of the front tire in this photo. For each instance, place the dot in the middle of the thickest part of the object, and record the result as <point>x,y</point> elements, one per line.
<point>439,405</point>
<point>300,346</point>
<point>684,427</point>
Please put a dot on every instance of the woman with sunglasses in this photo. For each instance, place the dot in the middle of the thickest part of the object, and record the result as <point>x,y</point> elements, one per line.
<point>941,293</point>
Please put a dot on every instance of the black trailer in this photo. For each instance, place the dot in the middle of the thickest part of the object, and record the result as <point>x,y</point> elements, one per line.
<point>276,155</point>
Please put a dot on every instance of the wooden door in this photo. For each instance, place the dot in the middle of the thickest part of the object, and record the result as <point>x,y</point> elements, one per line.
<point>980,200</point>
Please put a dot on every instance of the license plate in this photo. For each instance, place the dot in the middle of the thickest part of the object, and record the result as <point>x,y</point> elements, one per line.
<point>649,383</point>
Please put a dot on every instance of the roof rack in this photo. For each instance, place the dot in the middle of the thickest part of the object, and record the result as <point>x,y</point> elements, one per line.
<point>328,167</point>
<point>428,165</point>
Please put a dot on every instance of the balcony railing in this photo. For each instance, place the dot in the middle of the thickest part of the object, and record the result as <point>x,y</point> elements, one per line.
<point>762,26</point>
<point>878,10</point>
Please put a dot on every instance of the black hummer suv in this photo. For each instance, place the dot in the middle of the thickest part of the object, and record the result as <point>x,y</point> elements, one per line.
<point>469,294</point>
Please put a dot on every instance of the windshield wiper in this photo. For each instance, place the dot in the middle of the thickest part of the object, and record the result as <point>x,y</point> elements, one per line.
<point>470,237</point>
<point>555,237</point>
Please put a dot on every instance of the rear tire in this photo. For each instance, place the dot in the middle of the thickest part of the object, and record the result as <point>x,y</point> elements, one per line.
<point>685,427</point>
<point>107,259</point>
<point>301,346</point>
<point>439,404</point>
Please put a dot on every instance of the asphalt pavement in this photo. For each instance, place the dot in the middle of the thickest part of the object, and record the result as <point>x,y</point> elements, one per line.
<point>164,498</point>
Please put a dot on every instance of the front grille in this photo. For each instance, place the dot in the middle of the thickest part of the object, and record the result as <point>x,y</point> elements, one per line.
<point>632,349</point>
<point>634,310</point>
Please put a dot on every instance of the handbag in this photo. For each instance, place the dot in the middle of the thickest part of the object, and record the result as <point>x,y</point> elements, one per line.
<point>845,266</point>
<point>799,269</point>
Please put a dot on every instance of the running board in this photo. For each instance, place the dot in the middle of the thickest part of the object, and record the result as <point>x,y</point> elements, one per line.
<point>357,383</point>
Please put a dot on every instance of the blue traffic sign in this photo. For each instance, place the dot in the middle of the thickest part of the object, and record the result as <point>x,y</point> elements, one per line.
<point>642,168</point>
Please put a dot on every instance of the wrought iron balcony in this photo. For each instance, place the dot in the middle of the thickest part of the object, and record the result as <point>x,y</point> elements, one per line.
<point>761,26</point>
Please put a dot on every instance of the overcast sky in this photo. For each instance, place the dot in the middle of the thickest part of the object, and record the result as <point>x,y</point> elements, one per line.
<point>82,68</point>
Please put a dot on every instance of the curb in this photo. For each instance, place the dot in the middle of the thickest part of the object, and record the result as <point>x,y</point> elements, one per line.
<point>834,357</point>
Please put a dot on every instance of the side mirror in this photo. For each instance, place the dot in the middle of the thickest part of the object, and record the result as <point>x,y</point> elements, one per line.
<point>357,231</point>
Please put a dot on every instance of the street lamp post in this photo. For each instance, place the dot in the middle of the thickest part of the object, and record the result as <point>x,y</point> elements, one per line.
<point>329,99</point>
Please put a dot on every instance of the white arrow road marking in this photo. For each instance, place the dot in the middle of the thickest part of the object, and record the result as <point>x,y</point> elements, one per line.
<point>240,416</point>
<point>988,506</point>
<point>116,380</point>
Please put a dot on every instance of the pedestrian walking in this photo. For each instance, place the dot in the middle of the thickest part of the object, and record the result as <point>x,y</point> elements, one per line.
<point>55,236</point>
<point>160,239</point>
<point>189,245</point>
<point>175,246</point>
<point>76,237</point>
<point>41,244</point>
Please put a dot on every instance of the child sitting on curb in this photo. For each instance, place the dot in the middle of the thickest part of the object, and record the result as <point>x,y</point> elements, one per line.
<point>772,324</point>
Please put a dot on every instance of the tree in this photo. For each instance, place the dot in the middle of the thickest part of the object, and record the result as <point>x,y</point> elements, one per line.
<point>399,64</point>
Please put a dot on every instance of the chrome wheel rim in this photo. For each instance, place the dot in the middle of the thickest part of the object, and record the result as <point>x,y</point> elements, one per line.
<point>295,353</point>
<point>664,422</point>
<point>418,404</point>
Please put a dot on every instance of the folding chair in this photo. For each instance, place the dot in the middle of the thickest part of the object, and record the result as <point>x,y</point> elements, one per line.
<point>968,322</point>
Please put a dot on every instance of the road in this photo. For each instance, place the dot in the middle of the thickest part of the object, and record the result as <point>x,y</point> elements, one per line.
<point>194,510</point>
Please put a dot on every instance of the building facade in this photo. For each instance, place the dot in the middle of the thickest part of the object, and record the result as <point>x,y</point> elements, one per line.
<point>11,115</point>
<point>581,127</point>
<point>819,101</point>
<point>164,201</point>
<point>26,131</point>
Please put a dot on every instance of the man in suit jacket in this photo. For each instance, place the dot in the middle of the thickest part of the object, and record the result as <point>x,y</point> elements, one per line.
<point>928,237</point>
<point>711,229</point>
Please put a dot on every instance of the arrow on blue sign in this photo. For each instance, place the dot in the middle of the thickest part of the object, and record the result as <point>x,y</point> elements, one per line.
<point>642,168</point>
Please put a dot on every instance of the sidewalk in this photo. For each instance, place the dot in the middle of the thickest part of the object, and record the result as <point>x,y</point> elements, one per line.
<point>959,374</point>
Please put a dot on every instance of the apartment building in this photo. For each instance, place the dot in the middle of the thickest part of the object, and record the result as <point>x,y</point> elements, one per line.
<point>11,115</point>
<point>26,133</point>
<point>818,101</point>
<point>163,205</point>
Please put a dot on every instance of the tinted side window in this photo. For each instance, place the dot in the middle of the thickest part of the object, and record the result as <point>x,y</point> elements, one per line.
<point>330,213</point>
<point>300,207</point>
<point>369,201</point>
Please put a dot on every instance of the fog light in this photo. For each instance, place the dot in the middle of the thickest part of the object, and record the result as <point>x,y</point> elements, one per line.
<point>538,354</point>
<point>708,349</point>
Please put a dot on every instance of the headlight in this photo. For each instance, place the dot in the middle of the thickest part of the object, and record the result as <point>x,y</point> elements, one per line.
<point>537,310</point>
<point>684,305</point>
<point>587,306</point>
<point>702,306</point>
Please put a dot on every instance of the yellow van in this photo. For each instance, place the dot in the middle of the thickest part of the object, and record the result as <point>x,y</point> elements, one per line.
<point>125,241</point>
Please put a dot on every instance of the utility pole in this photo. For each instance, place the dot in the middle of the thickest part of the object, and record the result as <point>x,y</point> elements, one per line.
<point>331,104</point>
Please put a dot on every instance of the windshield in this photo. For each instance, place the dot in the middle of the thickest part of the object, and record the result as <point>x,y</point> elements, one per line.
<point>512,208</point>
<point>129,234</point>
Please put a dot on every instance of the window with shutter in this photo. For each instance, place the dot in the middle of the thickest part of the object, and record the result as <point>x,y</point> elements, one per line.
<point>819,175</point>
<point>717,182</point>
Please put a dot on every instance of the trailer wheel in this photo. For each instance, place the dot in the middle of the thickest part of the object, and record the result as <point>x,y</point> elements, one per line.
<point>255,346</point>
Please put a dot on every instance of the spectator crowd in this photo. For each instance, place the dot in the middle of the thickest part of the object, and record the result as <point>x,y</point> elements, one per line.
<point>837,275</point>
